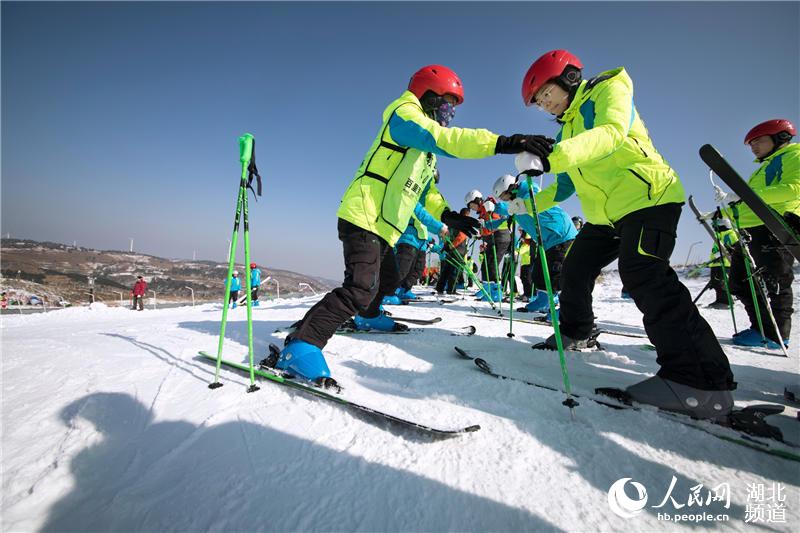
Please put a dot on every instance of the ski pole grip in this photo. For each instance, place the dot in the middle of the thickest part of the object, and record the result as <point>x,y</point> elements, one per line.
<point>245,148</point>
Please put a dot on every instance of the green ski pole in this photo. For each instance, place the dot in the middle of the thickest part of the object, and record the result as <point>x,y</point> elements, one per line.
<point>512,277</point>
<point>245,155</point>
<point>475,280</point>
<point>718,242</point>
<point>241,198</point>
<point>749,271</point>
<point>531,205</point>
<point>749,263</point>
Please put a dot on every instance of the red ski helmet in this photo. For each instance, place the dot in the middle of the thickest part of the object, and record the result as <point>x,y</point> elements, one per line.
<point>548,66</point>
<point>439,79</point>
<point>252,265</point>
<point>780,129</point>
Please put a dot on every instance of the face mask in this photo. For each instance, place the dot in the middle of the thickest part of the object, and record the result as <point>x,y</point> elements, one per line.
<point>444,113</point>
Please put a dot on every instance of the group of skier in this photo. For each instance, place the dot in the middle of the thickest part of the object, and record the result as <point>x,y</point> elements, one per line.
<point>629,195</point>
<point>236,286</point>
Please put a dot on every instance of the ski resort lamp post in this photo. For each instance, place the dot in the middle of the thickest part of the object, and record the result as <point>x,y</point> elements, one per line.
<point>685,263</point>
<point>121,302</point>
<point>301,285</point>
<point>154,299</point>
<point>192,291</point>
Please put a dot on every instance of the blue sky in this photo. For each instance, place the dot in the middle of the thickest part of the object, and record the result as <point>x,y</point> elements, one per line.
<point>120,120</point>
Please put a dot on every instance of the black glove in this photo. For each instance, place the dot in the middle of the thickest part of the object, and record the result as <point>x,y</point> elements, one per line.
<point>462,223</point>
<point>536,144</point>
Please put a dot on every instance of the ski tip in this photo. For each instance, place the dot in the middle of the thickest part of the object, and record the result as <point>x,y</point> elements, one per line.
<point>471,429</point>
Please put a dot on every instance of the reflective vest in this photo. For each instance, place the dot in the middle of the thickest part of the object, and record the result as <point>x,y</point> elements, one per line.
<point>392,176</point>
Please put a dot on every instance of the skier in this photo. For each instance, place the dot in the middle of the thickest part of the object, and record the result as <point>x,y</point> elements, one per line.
<point>777,182</point>
<point>455,252</point>
<point>631,199</point>
<point>727,237</point>
<point>255,283</point>
<point>378,204</point>
<point>138,292</point>
<point>558,232</point>
<point>3,301</point>
<point>496,242</point>
<point>236,285</point>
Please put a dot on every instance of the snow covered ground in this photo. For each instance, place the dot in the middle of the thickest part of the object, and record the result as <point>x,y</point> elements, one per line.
<point>108,425</point>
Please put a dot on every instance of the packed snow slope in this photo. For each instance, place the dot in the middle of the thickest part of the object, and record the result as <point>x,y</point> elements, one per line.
<point>109,425</point>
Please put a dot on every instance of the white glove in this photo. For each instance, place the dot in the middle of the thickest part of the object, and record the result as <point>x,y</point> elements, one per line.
<point>444,232</point>
<point>489,205</point>
<point>517,207</point>
<point>527,162</point>
<point>721,196</point>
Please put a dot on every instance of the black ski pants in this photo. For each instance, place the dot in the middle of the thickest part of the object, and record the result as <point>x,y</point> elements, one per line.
<point>688,352</point>
<point>450,272</point>
<point>498,245</point>
<point>555,264</point>
<point>370,273</point>
<point>775,265</point>
<point>526,273</point>
<point>410,264</point>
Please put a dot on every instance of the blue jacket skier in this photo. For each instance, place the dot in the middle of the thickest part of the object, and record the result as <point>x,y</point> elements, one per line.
<point>558,232</point>
<point>236,285</point>
<point>255,283</point>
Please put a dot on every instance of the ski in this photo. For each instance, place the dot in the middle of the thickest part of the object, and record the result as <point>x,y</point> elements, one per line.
<point>417,321</point>
<point>544,322</point>
<point>429,301</point>
<point>745,426</point>
<point>319,393</point>
<point>348,328</point>
<point>772,220</point>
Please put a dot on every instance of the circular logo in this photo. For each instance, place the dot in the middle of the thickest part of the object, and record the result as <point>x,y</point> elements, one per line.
<point>619,501</point>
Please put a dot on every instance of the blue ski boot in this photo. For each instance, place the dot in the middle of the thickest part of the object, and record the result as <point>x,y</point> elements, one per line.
<point>391,300</point>
<point>256,303</point>
<point>540,303</point>
<point>405,294</point>
<point>304,360</point>
<point>380,323</point>
<point>494,293</point>
<point>751,337</point>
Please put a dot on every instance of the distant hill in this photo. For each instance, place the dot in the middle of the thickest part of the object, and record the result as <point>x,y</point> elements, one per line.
<point>59,271</point>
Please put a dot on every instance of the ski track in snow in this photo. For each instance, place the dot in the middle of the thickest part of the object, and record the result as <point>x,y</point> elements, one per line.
<point>108,425</point>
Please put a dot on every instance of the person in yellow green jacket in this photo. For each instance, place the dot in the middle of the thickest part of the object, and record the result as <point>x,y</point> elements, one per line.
<point>727,237</point>
<point>525,268</point>
<point>379,202</point>
<point>777,182</point>
<point>631,199</point>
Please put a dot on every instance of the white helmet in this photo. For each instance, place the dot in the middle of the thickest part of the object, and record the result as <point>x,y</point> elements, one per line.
<point>235,272</point>
<point>502,184</point>
<point>473,195</point>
